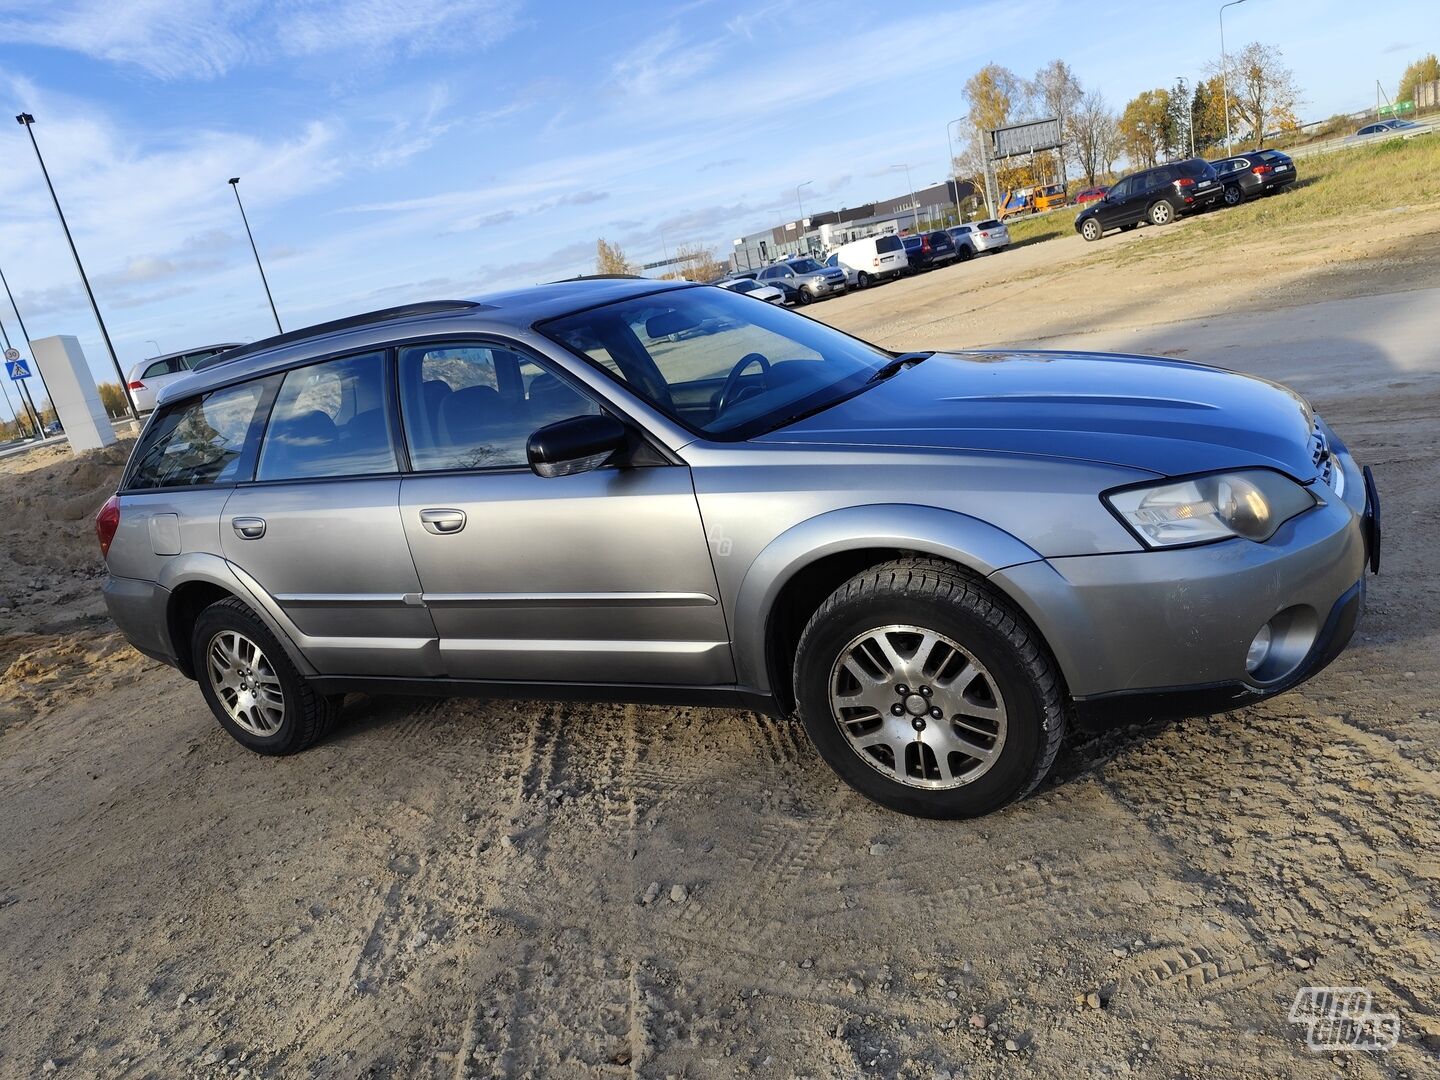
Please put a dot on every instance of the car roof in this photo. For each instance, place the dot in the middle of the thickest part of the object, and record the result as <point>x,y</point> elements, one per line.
<point>507,312</point>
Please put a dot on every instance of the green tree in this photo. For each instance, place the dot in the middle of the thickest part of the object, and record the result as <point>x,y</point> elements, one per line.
<point>1424,70</point>
<point>1208,109</point>
<point>609,259</point>
<point>1263,93</point>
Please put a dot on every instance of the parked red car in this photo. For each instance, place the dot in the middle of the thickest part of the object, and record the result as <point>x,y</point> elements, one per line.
<point>1089,195</point>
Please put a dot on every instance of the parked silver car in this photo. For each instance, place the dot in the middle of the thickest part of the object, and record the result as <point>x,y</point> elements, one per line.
<point>641,491</point>
<point>149,377</point>
<point>808,278</point>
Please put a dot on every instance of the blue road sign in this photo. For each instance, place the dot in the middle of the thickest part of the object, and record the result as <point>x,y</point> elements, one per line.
<point>18,369</point>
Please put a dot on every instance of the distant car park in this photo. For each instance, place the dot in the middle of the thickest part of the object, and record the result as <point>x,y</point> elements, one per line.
<point>929,250</point>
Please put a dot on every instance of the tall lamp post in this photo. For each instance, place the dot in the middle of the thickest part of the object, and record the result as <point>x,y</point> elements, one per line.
<point>235,186</point>
<point>800,222</point>
<point>914,202</point>
<point>954,179</point>
<point>27,121</point>
<point>1225,72</point>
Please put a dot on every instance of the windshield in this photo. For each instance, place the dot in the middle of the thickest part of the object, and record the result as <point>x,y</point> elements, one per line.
<point>721,364</point>
<point>804,266</point>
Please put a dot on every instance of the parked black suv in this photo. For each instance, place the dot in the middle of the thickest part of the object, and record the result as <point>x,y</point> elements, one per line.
<point>1157,195</point>
<point>1259,172</point>
<point>929,250</point>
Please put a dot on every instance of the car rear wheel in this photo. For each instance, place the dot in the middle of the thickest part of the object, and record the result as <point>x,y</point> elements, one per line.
<point>927,692</point>
<point>1162,213</point>
<point>251,685</point>
<point>1091,230</point>
<point>862,280</point>
<point>966,253</point>
<point>1234,196</point>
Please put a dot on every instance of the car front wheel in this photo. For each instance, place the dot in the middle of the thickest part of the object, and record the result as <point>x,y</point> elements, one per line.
<point>251,685</point>
<point>802,297</point>
<point>927,692</point>
<point>1091,229</point>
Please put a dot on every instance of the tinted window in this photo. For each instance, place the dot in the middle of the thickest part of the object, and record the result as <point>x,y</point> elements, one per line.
<point>885,244</point>
<point>1122,189</point>
<point>475,407</point>
<point>330,419</point>
<point>805,266</point>
<point>1167,175</point>
<point>992,224</point>
<point>158,368</point>
<point>201,441</point>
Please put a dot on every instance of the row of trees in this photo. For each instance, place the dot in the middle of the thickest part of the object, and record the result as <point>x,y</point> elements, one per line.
<point>112,397</point>
<point>693,262</point>
<point>1153,126</point>
<point>1424,70</point>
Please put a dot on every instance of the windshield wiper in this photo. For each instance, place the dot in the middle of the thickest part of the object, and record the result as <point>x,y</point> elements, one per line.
<point>899,364</point>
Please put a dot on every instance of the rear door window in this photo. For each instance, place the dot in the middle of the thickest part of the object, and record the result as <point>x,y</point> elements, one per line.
<point>476,406</point>
<point>330,419</point>
<point>201,441</point>
<point>991,224</point>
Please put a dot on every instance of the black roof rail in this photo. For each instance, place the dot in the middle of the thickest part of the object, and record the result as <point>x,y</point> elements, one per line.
<point>350,322</point>
<point>599,277</point>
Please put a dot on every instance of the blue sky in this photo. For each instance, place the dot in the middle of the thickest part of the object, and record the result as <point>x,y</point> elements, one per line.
<point>394,150</point>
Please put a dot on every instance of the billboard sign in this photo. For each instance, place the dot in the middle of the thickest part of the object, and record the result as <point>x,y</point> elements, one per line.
<point>1026,138</point>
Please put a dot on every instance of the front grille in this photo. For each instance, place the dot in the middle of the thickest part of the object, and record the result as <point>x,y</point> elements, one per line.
<point>1329,473</point>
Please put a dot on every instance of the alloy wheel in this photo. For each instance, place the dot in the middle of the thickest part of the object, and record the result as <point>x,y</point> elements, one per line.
<point>245,682</point>
<point>917,707</point>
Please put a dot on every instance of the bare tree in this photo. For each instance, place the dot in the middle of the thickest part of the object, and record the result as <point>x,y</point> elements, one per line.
<point>609,259</point>
<point>696,263</point>
<point>1263,93</point>
<point>1055,91</point>
<point>1091,135</point>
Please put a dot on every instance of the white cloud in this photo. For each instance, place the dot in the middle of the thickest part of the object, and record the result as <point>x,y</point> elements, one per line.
<point>203,39</point>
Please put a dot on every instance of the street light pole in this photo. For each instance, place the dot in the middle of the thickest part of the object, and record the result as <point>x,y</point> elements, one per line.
<point>914,202</point>
<point>954,178</point>
<point>235,186</point>
<point>26,121</point>
<point>1225,72</point>
<point>800,225</point>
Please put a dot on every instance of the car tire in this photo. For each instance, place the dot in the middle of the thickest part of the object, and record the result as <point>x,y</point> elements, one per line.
<point>1234,195</point>
<point>251,685</point>
<point>802,297</point>
<point>1161,213</point>
<point>862,280</point>
<point>986,662</point>
<point>1091,230</point>
<point>966,253</point>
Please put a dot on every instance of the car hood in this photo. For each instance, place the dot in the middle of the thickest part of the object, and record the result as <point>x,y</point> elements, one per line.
<point>1164,416</point>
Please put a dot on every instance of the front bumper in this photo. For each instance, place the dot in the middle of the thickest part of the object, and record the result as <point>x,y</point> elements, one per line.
<point>1181,621</point>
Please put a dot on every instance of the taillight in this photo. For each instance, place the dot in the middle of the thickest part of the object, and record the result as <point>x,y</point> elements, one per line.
<point>137,385</point>
<point>925,243</point>
<point>875,261</point>
<point>1184,182</point>
<point>986,235</point>
<point>1261,170</point>
<point>106,522</point>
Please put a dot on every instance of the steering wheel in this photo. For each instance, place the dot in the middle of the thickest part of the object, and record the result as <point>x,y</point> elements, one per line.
<point>732,381</point>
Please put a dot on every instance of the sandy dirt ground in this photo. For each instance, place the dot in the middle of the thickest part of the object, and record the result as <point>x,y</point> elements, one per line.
<point>469,888</point>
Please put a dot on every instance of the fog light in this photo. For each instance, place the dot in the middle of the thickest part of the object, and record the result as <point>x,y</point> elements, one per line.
<point>1259,650</point>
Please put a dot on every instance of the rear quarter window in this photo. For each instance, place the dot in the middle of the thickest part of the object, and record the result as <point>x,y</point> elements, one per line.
<point>200,441</point>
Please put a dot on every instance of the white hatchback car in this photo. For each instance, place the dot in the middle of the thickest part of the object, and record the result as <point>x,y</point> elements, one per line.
<point>149,376</point>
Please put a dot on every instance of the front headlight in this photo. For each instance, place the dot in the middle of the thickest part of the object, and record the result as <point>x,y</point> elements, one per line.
<point>1251,504</point>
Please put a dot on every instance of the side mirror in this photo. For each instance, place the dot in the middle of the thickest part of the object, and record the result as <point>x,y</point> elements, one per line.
<point>576,445</point>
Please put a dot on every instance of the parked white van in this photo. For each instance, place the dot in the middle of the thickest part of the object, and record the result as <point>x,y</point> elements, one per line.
<point>874,258</point>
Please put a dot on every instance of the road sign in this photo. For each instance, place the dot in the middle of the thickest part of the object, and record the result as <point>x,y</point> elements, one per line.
<point>12,354</point>
<point>18,369</point>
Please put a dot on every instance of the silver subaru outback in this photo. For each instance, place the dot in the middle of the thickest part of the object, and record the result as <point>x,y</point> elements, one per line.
<point>628,490</point>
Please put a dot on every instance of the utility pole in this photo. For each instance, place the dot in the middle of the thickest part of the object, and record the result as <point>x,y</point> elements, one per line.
<point>1225,72</point>
<point>27,121</point>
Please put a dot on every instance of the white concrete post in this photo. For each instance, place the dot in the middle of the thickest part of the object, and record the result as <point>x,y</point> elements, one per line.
<point>73,392</point>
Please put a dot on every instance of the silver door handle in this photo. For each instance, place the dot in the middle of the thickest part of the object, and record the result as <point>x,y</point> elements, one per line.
<point>442,522</point>
<point>248,528</point>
